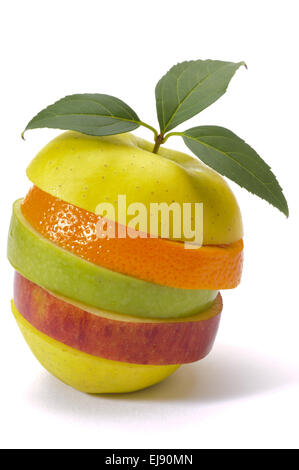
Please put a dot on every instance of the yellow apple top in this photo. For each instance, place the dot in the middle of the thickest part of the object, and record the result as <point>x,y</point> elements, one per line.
<point>88,170</point>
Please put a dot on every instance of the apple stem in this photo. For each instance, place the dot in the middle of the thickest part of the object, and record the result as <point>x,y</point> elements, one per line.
<point>158,141</point>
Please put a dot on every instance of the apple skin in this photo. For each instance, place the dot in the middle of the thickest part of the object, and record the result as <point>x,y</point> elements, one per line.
<point>87,170</point>
<point>87,373</point>
<point>66,274</point>
<point>156,343</point>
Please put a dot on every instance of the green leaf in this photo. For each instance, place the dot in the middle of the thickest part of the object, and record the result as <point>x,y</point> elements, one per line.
<point>92,114</point>
<point>189,87</point>
<point>226,153</point>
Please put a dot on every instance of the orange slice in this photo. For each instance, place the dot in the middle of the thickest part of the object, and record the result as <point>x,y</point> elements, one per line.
<point>156,260</point>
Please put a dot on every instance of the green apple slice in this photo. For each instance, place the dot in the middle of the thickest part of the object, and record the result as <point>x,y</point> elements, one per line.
<point>87,170</point>
<point>63,273</point>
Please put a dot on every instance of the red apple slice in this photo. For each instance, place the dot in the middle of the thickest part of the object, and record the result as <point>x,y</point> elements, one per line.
<point>114,336</point>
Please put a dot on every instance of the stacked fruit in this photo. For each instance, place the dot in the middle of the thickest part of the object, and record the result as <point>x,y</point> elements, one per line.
<point>110,305</point>
<point>118,314</point>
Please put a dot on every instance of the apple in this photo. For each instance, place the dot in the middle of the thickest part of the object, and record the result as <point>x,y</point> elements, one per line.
<point>64,273</point>
<point>88,170</point>
<point>117,337</point>
<point>87,373</point>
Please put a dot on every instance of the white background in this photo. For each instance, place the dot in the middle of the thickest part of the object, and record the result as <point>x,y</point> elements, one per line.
<point>245,394</point>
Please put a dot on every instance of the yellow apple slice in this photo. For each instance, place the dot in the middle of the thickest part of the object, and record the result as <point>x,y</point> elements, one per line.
<point>87,170</point>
